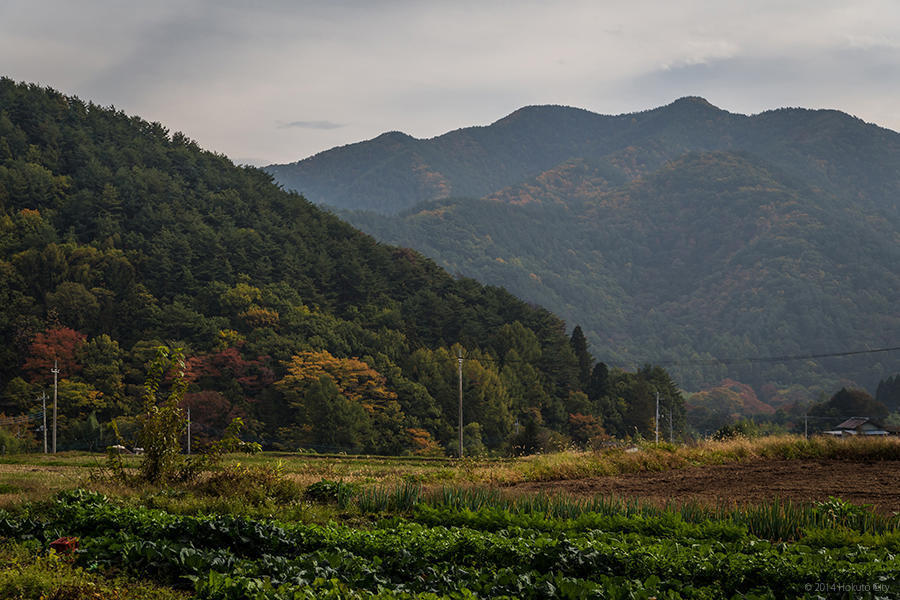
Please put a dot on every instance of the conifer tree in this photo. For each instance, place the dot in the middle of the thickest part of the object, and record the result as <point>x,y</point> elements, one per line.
<point>585,360</point>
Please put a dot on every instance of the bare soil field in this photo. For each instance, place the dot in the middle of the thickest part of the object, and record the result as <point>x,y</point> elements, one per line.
<point>875,482</point>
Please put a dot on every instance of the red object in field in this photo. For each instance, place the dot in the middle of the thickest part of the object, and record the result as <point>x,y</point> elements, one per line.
<point>64,545</point>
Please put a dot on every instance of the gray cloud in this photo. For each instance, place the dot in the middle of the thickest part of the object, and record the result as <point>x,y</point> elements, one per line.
<point>223,71</point>
<point>309,125</point>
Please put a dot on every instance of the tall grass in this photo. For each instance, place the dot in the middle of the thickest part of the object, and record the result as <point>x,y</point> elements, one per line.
<point>380,499</point>
<point>648,457</point>
<point>774,520</point>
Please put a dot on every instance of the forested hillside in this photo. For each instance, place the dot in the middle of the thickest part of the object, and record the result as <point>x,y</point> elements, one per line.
<point>117,236</point>
<point>678,234</point>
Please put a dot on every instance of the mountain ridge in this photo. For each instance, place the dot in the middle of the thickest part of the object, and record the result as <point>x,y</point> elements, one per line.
<point>793,252</point>
<point>478,161</point>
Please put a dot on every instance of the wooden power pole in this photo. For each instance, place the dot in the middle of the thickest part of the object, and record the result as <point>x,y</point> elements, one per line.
<point>55,372</point>
<point>44,411</point>
<point>460,361</point>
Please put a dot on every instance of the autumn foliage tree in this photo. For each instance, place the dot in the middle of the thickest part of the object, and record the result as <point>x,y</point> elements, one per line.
<point>354,378</point>
<point>210,413</point>
<point>341,399</point>
<point>584,428</point>
<point>59,345</point>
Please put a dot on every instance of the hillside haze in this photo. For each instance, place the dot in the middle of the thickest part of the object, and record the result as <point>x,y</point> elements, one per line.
<point>677,234</point>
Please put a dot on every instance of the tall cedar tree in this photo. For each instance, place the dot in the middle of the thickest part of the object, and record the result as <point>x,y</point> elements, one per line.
<point>585,360</point>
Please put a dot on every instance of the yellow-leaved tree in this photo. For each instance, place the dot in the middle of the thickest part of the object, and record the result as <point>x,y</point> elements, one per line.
<point>343,404</point>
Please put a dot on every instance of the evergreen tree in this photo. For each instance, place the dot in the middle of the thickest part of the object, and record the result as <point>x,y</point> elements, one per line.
<point>888,393</point>
<point>337,423</point>
<point>585,360</point>
<point>850,403</point>
<point>599,384</point>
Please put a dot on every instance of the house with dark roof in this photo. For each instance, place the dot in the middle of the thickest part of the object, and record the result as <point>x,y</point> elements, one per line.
<point>862,426</point>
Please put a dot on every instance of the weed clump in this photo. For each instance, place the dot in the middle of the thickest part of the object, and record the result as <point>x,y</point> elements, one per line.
<point>255,485</point>
<point>328,491</point>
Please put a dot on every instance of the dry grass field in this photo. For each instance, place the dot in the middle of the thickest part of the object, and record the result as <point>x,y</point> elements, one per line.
<point>863,471</point>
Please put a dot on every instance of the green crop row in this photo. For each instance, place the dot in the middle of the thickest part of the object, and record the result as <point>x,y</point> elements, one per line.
<point>776,520</point>
<point>598,557</point>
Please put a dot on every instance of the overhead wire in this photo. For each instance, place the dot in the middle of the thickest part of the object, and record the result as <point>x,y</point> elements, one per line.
<point>771,359</point>
<point>706,361</point>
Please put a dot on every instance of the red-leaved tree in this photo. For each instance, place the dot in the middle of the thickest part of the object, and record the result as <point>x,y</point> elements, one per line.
<point>60,344</point>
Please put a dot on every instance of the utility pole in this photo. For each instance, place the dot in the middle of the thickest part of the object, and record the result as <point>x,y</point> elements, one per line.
<point>806,427</point>
<point>657,417</point>
<point>44,410</point>
<point>189,430</point>
<point>671,427</point>
<point>55,372</point>
<point>460,360</point>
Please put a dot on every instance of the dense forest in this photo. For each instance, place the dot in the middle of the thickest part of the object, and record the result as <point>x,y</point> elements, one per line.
<point>117,236</point>
<point>674,236</point>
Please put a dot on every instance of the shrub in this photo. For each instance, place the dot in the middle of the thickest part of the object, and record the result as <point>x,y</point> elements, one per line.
<point>255,485</point>
<point>161,426</point>
<point>744,428</point>
<point>163,423</point>
<point>326,490</point>
<point>11,444</point>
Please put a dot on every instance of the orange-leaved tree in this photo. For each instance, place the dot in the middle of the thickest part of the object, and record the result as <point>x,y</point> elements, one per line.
<point>345,403</point>
<point>58,346</point>
<point>354,378</point>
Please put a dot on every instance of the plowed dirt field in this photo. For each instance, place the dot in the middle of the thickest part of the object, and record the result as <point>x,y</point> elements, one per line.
<point>875,483</point>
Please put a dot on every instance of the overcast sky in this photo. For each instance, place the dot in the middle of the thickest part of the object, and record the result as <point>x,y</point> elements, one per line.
<point>278,81</point>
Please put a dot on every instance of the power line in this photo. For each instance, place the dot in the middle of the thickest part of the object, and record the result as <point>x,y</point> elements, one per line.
<point>18,420</point>
<point>695,362</point>
<point>771,359</point>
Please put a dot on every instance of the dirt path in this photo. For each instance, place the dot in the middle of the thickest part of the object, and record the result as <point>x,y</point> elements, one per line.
<point>876,483</point>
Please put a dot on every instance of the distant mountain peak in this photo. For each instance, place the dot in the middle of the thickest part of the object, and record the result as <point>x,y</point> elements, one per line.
<point>393,140</point>
<point>693,104</point>
<point>542,109</point>
<point>394,136</point>
<point>694,100</point>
